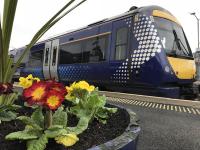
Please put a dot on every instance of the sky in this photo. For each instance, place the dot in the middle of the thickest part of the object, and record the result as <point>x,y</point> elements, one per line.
<point>32,14</point>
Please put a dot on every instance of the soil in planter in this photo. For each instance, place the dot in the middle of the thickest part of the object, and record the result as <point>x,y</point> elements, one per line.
<point>96,134</point>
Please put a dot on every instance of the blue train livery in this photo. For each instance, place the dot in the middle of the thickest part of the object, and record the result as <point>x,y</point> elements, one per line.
<point>144,51</point>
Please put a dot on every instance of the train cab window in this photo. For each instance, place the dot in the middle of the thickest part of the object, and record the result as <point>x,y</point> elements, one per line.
<point>173,38</point>
<point>94,49</point>
<point>121,43</point>
<point>70,53</point>
<point>35,58</point>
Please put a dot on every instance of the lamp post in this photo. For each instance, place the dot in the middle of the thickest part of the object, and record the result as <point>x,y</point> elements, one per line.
<point>197,53</point>
<point>194,14</point>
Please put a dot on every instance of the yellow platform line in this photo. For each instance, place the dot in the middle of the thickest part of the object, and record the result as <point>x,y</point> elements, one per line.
<point>132,102</point>
<point>189,110</point>
<point>153,105</point>
<point>150,104</point>
<point>127,101</point>
<point>147,104</point>
<point>137,102</point>
<point>140,103</point>
<point>167,107</point>
<point>144,104</point>
<point>197,111</point>
<point>175,107</point>
<point>184,110</point>
<point>194,112</point>
<point>172,107</point>
<point>164,106</point>
<point>179,108</point>
<point>157,105</point>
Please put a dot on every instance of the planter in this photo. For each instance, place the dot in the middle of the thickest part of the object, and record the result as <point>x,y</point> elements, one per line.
<point>126,141</point>
<point>119,132</point>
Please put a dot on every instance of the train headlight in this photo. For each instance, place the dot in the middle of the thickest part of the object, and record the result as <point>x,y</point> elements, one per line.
<point>167,69</point>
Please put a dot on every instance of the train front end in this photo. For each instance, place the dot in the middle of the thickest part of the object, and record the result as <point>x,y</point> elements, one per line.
<point>169,64</point>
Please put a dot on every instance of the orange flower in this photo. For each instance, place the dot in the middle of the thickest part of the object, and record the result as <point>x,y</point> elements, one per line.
<point>36,93</point>
<point>54,99</point>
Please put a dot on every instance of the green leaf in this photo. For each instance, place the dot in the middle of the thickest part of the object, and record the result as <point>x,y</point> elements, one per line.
<point>37,144</point>
<point>104,121</point>
<point>38,117</point>
<point>96,101</point>
<point>103,113</point>
<point>79,111</point>
<point>22,135</point>
<point>28,121</point>
<point>7,115</point>
<point>81,126</point>
<point>1,54</point>
<point>55,131</point>
<point>110,110</point>
<point>60,117</point>
<point>9,107</point>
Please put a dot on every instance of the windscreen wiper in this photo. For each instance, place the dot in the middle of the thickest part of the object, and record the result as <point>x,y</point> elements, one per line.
<point>172,53</point>
<point>179,43</point>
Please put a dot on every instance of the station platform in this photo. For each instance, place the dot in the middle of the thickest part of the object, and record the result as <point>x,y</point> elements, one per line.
<point>166,124</point>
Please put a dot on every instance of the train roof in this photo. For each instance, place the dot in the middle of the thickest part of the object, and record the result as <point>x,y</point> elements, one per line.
<point>131,11</point>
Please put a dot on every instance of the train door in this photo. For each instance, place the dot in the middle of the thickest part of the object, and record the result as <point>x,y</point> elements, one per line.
<point>120,49</point>
<point>50,61</point>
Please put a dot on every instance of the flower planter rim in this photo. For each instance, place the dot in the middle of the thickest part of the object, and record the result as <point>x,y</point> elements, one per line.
<point>130,134</point>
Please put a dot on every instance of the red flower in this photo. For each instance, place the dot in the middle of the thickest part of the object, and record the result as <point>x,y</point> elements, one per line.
<point>47,93</point>
<point>36,93</point>
<point>56,86</point>
<point>6,88</point>
<point>54,99</point>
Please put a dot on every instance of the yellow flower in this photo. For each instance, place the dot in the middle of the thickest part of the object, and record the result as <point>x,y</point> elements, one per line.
<point>30,77</point>
<point>36,79</point>
<point>81,85</point>
<point>84,85</point>
<point>67,140</point>
<point>24,82</point>
<point>28,81</point>
<point>69,93</point>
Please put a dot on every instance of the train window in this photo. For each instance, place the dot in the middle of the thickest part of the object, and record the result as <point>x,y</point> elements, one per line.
<point>94,49</point>
<point>54,55</point>
<point>172,37</point>
<point>70,53</point>
<point>103,44</point>
<point>35,58</point>
<point>47,56</point>
<point>121,43</point>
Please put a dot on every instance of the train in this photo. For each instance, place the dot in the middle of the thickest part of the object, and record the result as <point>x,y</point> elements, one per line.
<point>142,51</point>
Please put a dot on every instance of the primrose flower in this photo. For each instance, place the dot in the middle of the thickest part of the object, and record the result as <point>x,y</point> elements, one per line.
<point>46,93</point>
<point>36,93</point>
<point>24,82</point>
<point>67,140</point>
<point>56,86</point>
<point>85,85</point>
<point>81,85</point>
<point>28,81</point>
<point>6,88</point>
<point>54,100</point>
